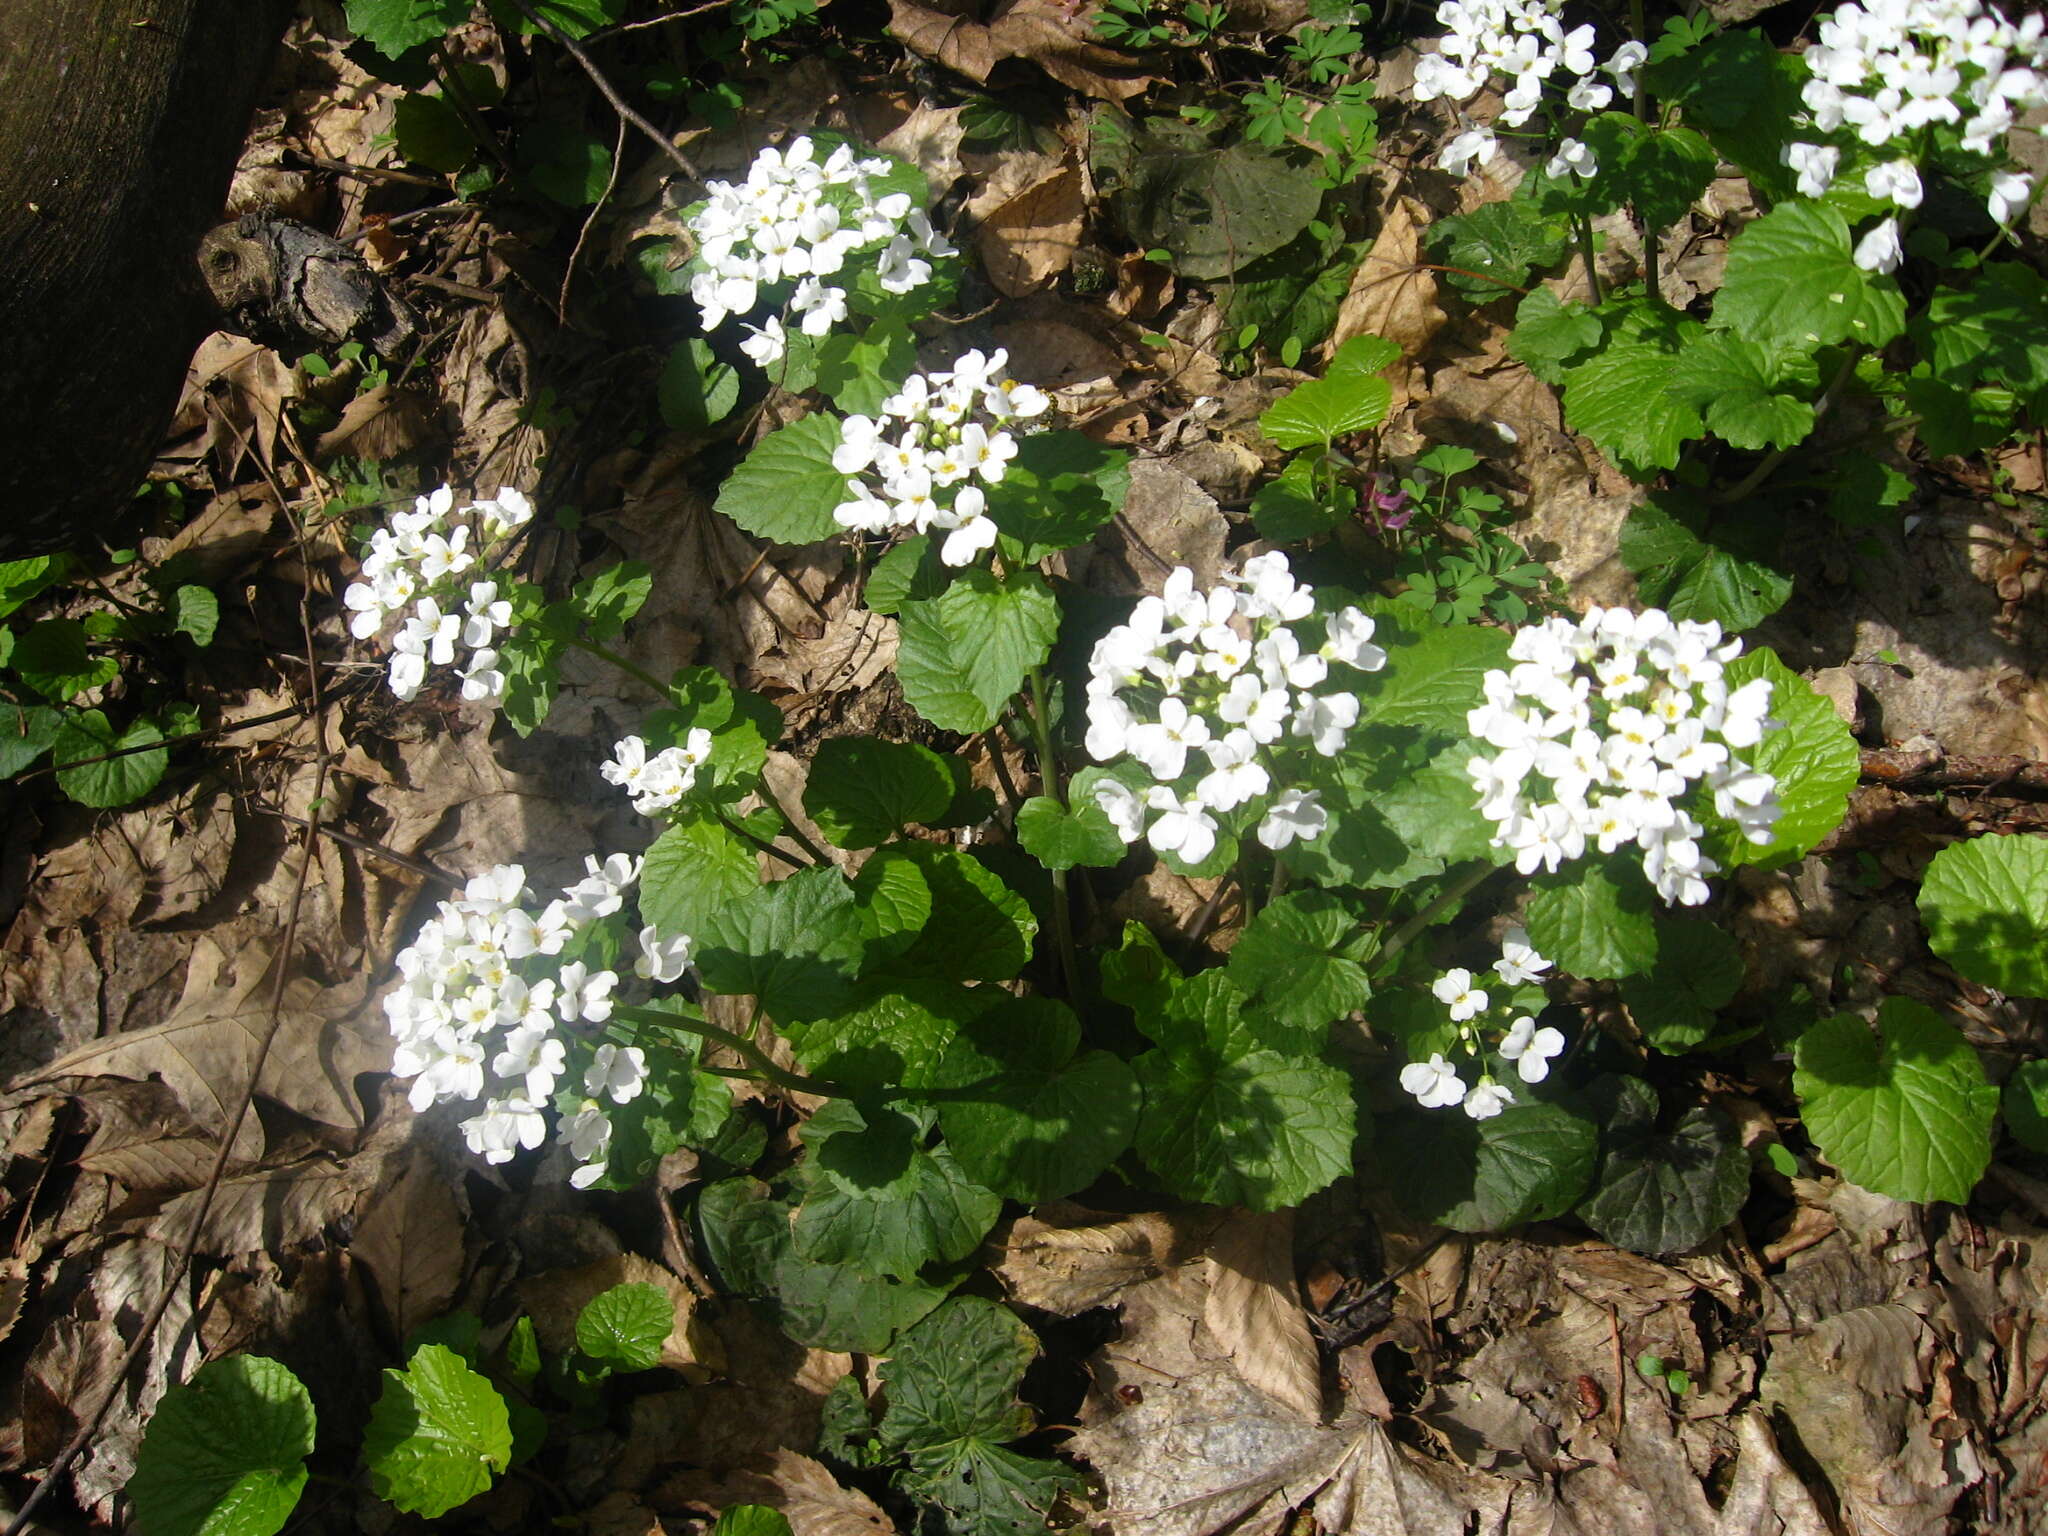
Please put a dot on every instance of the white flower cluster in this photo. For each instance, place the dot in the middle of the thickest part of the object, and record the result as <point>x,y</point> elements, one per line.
<point>1435,1083</point>
<point>1889,69</point>
<point>485,999</point>
<point>798,220</point>
<point>417,567</point>
<point>1201,688</point>
<point>1525,40</point>
<point>932,440</point>
<point>657,782</point>
<point>1604,727</point>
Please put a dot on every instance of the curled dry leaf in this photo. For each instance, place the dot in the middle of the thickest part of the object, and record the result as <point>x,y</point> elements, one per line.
<point>1065,1259</point>
<point>1030,238</point>
<point>1053,34</point>
<point>801,1488</point>
<point>410,1241</point>
<point>1254,1309</point>
<point>207,1048</point>
<point>1393,293</point>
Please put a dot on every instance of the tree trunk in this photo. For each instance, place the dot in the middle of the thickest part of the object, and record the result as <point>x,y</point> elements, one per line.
<point>120,124</point>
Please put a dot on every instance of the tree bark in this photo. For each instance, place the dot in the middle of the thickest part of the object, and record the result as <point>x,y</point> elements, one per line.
<point>120,125</point>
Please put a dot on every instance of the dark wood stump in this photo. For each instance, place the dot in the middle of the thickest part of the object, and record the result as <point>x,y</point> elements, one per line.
<point>120,124</point>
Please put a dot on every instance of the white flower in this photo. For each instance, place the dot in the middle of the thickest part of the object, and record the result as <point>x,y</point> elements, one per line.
<point>1574,157</point>
<point>2010,194</point>
<point>1519,962</point>
<point>1124,807</point>
<point>1898,180</point>
<point>765,343</point>
<point>1323,720</point>
<point>1162,746</point>
<point>1349,641</point>
<point>505,1126</point>
<point>1184,827</point>
<point>584,995</point>
<point>1473,146</point>
<point>616,1072</point>
<point>1487,1099</point>
<point>1294,814</point>
<point>662,960</point>
<point>1531,1049</point>
<point>1454,989</point>
<point>1880,249</point>
<point>1435,1083</point>
<point>1815,165</point>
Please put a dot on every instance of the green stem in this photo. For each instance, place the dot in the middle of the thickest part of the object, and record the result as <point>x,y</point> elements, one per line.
<point>795,832</point>
<point>1641,108</point>
<point>1450,896</point>
<point>1279,885</point>
<point>1049,781</point>
<point>764,1068</point>
<point>761,843</point>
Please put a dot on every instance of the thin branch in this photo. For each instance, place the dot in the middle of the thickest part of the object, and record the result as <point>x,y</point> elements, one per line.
<point>611,92</point>
<point>583,234</point>
<point>163,743</point>
<point>658,21</point>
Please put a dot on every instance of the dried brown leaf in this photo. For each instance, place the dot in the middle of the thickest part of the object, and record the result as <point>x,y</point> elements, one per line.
<point>380,423</point>
<point>1393,294</point>
<point>1063,1258</point>
<point>207,1048</point>
<point>1254,1309</point>
<point>801,1488</point>
<point>270,1211</point>
<point>959,42</point>
<point>410,1241</point>
<point>1052,34</point>
<point>1028,240</point>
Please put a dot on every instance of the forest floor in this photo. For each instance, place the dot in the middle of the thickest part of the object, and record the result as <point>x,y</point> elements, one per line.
<point>1856,1363</point>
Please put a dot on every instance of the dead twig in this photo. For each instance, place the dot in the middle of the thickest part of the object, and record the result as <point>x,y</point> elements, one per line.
<point>658,21</point>
<point>1905,769</point>
<point>583,234</point>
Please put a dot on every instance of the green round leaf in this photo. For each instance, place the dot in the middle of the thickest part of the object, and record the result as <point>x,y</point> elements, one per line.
<point>1527,1163</point>
<point>1905,1111</point>
<point>787,489</point>
<point>1698,970</point>
<point>955,1375</point>
<point>751,1520</point>
<point>113,781</point>
<point>25,735</point>
<point>1265,1130</point>
<point>565,163</point>
<point>2026,1105</point>
<point>225,1453</point>
<point>1668,1192</point>
<point>1060,839</point>
<point>1595,920</point>
<point>437,1435</point>
<point>1058,491</point>
<point>696,389</point>
<point>430,132</point>
<point>980,929</point>
<point>1985,904</point>
<point>196,614</point>
<point>1813,758</point>
<point>1301,958</point>
<point>1023,1116</point>
<point>626,1326</point>
<point>50,656</point>
<point>881,1201</point>
<point>895,903</point>
<point>965,653</point>
<point>892,1038</point>
<point>863,791</point>
<point>1793,280</point>
<point>796,945</point>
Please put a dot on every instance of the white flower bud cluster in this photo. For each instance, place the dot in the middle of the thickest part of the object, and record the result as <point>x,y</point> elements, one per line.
<point>1602,731</point>
<point>1525,40</point>
<point>1889,69</point>
<point>419,567</point>
<point>1203,689</point>
<point>660,781</point>
<point>1436,1083</point>
<point>795,222</point>
<point>931,441</point>
<point>485,1000</point>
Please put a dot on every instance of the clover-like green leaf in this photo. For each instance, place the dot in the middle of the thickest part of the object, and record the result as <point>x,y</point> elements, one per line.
<point>863,791</point>
<point>225,1453</point>
<point>1985,904</point>
<point>625,1327</point>
<point>437,1435</point>
<point>1529,1162</point>
<point>1813,757</point>
<point>1663,1192</point>
<point>1904,1111</point>
<point>1594,919</point>
<point>1697,971</point>
<point>965,653</point>
<point>786,489</point>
